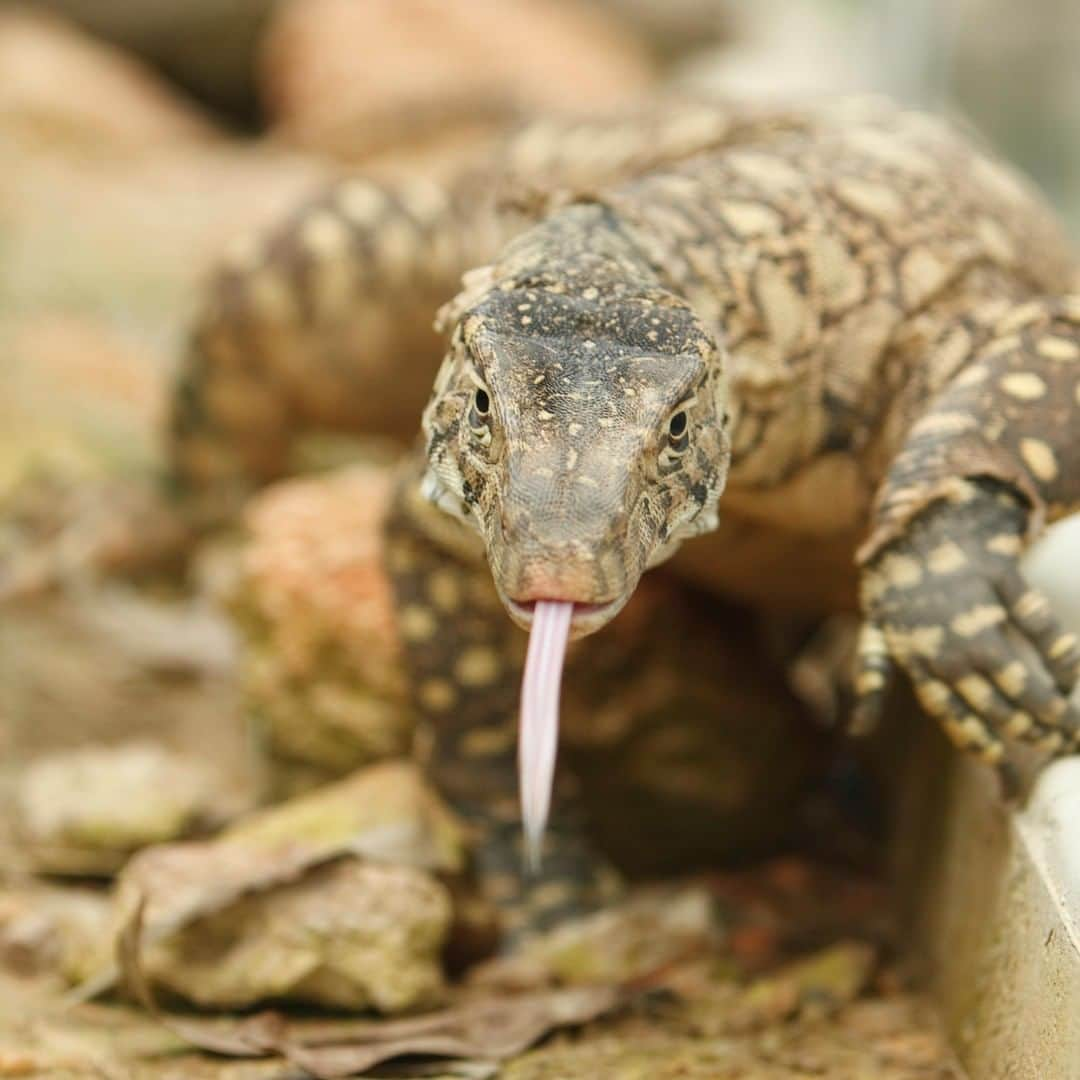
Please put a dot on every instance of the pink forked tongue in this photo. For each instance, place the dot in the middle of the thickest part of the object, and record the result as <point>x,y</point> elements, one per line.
<point>538,739</point>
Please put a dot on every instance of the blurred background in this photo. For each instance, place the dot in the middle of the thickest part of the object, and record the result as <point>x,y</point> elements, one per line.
<point>138,139</point>
<point>138,136</point>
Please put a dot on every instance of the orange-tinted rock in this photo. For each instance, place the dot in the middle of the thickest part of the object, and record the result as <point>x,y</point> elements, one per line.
<point>355,78</point>
<point>64,85</point>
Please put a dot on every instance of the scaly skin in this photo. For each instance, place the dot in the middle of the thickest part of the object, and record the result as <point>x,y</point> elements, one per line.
<point>851,318</point>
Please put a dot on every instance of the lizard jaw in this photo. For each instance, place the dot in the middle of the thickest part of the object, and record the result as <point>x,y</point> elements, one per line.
<point>586,618</point>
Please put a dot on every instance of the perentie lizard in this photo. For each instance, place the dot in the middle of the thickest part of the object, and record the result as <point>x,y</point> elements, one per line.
<point>814,358</point>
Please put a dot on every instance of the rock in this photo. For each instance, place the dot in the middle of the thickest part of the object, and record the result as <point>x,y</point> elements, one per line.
<point>87,811</point>
<point>322,669</point>
<point>327,899</point>
<point>346,935</point>
<point>353,79</point>
<point>77,399</point>
<point>45,929</point>
<point>103,199</point>
<point>206,45</point>
<point>889,1039</point>
<point>651,930</point>
<point>59,84</point>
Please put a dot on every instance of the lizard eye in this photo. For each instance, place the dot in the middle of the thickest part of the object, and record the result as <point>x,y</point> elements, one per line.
<point>479,418</point>
<point>676,441</point>
<point>677,437</point>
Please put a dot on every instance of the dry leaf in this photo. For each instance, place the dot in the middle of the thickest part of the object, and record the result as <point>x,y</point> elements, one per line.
<point>484,1028</point>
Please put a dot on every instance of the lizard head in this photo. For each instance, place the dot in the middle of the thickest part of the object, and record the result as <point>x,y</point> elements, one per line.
<point>582,431</point>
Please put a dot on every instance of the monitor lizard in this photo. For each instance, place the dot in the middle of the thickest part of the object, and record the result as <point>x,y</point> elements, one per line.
<point>820,359</point>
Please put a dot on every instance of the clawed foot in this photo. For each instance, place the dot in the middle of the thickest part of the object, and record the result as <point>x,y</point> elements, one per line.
<point>986,656</point>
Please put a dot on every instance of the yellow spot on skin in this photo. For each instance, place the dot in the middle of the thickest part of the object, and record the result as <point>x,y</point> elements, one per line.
<point>934,697</point>
<point>361,202</point>
<point>920,641</point>
<point>1012,678</point>
<point>477,666</point>
<point>1058,348</point>
<point>946,558</point>
<point>487,741</point>
<point>1006,344</point>
<point>323,234</point>
<point>425,201</point>
<point>417,623</point>
<point>1062,647</point>
<point>1051,742</point>
<point>1040,459</point>
<point>901,571</point>
<point>271,297</point>
<point>996,240</point>
<point>1023,385</point>
<point>1031,605</point>
<point>437,695</point>
<point>976,691</point>
<point>326,240</point>
<point>870,200</point>
<point>1005,544</point>
<point>1020,317</point>
<point>1020,723</point>
<point>948,423</point>
<point>973,730</point>
<point>444,590</point>
<point>978,619</point>
<point>868,682</point>
<point>922,273</point>
<point>750,218</point>
<point>971,376</point>
<point>872,586</point>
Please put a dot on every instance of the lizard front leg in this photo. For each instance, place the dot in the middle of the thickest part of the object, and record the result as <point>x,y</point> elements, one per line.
<point>464,661</point>
<point>996,455</point>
